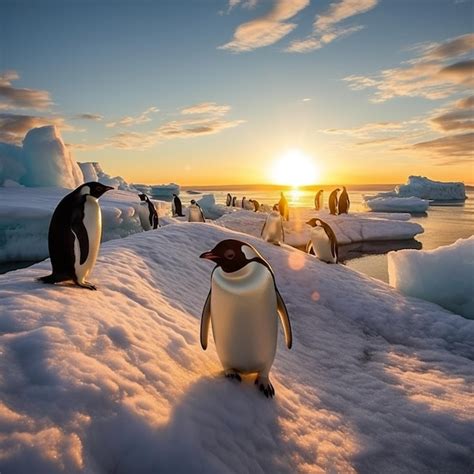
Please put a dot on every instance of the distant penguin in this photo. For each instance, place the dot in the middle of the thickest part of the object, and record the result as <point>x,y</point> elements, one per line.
<point>177,207</point>
<point>276,208</point>
<point>243,202</point>
<point>195,212</point>
<point>344,202</point>
<point>74,235</point>
<point>272,230</point>
<point>322,241</point>
<point>333,202</point>
<point>152,217</point>
<point>228,201</point>
<point>283,207</point>
<point>318,200</point>
<point>256,205</point>
<point>233,201</point>
<point>243,306</point>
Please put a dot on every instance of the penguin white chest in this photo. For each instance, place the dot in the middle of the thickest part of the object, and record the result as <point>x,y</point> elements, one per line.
<point>195,214</point>
<point>322,244</point>
<point>244,318</point>
<point>93,224</point>
<point>272,232</point>
<point>144,215</point>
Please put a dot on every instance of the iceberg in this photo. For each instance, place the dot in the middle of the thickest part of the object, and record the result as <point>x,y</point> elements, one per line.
<point>210,208</point>
<point>164,191</point>
<point>116,380</point>
<point>396,204</point>
<point>424,188</point>
<point>444,276</point>
<point>92,171</point>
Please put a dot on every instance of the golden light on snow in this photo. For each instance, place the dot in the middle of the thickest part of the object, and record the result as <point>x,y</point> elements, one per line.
<point>295,168</point>
<point>296,260</point>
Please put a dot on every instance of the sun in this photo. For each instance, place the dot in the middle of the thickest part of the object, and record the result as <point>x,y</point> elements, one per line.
<point>295,168</point>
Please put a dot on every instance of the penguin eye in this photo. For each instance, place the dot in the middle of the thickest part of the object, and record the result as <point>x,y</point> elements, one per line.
<point>229,254</point>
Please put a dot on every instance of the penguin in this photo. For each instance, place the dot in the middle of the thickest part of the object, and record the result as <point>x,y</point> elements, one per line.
<point>283,207</point>
<point>195,212</point>
<point>152,214</point>
<point>228,200</point>
<point>74,235</point>
<point>272,230</point>
<point>256,204</point>
<point>243,306</point>
<point>233,201</point>
<point>318,200</point>
<point>323,241</point>
<point>177,207</point>
<point>243,203</point>
<point>344,202</point>
<point>333,202</point>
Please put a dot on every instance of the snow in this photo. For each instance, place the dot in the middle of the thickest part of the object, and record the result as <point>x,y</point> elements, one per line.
<point>116,381</point>
<point>25,214</point>
<point>396,204</point>
<point>92,171</point>
<point>425,188</point>
<point>210,208</point>
<point>349,228</point>
<point>444,276</point>
<point>42,160</point>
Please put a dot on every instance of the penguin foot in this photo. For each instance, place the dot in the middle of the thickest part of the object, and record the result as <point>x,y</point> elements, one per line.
<point>233,374</point>
<point>87,285</point>
<point>265,386</point>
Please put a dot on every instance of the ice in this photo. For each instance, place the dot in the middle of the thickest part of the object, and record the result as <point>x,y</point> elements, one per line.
<point>116,381</point>
<point>444,276</point>
<point>88,171</point>
<point>43,160</point>
<point>396,204</point>
<point>210,208</point>
<point>25,214</point>
<point>425,188</point>
<point>164,190</point>
<point>92,171</point>
<point>349,228</point>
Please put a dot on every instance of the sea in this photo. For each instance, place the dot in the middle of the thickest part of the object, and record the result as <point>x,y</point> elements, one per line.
<point>443,223</point>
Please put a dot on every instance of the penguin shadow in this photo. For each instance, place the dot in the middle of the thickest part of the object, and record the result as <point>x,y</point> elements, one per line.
<point>217,426</point>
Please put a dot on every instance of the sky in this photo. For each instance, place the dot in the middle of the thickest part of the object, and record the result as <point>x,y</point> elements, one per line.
<point>219,92</point>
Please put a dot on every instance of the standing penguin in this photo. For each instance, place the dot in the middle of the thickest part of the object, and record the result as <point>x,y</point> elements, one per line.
<point>233,201</point>
<point>195,212</point>
<point>242,306</point>
<point>228,200</point>
<point>152,214</point>
<point>344,202</point>
<point>333,202</point>
<point>243,202</point>
<point>283,207</point>
<point>323,241</point>
<point>256,204</point>
<point>272,230</point>
<point>74,235</point>
<point>318,200</point>
<point>177,207</point>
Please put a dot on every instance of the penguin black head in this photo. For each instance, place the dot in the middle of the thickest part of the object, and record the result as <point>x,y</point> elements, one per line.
<point>142,197</point>
<point>313,222</point>
<point>232,255</point>
<point>193,201</point>
<point>174,195</point>
<point>94,189</point>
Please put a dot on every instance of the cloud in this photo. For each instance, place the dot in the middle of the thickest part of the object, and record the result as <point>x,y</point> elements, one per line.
<point>451,146</point>
<point>94,117</point>
<point>367,129</point>
<point>325,29</point>
<point>16,98</point>
<point>458,116</point>
<point>267,29</point>
<point>244,3</point>
<point>376,141</point>
<point>13,127</point>
<point>428,75</point>
<point>129,120</point>
<point>206,108</point>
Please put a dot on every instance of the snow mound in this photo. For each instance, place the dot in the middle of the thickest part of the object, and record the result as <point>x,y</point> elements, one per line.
<point>116,381</point>
<point>210,208</point>
<point>349,228</point>
<point>425,188</point>
<point>25,214</point>
<point>444,276</point>
<point>92,171</point>
<point>396,204</point>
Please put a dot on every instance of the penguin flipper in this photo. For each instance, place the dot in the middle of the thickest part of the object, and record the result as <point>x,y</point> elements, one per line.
<point>285,319</point>
<point>80,232</point>
<point>205,321</point>
<point>309,247</point>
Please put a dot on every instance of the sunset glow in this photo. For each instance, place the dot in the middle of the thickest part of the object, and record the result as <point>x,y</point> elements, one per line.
<point>295,168</point>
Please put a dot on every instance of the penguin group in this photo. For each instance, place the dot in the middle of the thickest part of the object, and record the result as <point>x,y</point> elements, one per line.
<point>244,203</point>
<point>337,204</point>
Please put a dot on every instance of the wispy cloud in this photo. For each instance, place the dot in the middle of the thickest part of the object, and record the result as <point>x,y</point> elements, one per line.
<point>17,98</point>
<point>449,147</point>
<point>130,120</point>
<point>325,26</point>
<point>457,116</point>
<point>206,108</point>
<point>93,117</point>
<point>428,75</point>
<point>267,29</point>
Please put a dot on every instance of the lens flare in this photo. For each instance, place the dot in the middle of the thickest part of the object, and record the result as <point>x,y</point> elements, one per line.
<point>294,168</point>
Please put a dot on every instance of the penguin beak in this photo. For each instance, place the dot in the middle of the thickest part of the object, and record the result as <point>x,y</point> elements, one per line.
<point>108,188</point>
<point>209,256</point>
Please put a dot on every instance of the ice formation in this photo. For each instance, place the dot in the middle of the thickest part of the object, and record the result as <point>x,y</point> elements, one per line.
<point>92,171</point>
<point>425,188</point>
<point>210,208</point>
<point>116,380</point>
<point>396,204</point>
<point>444,276</point>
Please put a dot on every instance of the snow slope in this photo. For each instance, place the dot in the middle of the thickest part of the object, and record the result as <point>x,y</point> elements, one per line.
<point>349,228</point>
<point>116,381</point>
<point>25,214</point>
<point>444,275</point>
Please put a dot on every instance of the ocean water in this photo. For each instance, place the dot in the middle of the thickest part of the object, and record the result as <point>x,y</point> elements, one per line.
<point>443,224</point>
